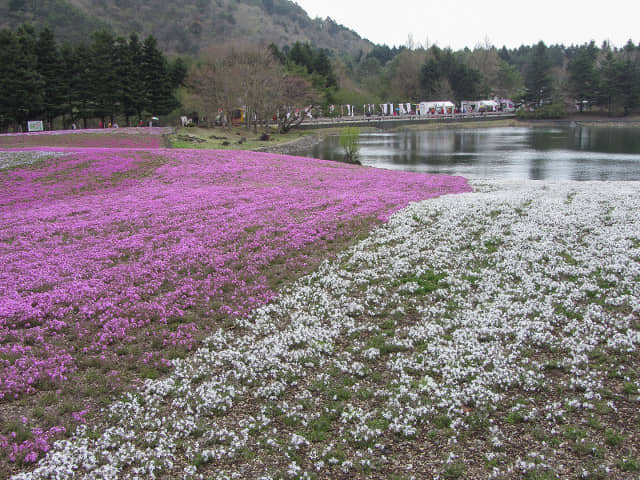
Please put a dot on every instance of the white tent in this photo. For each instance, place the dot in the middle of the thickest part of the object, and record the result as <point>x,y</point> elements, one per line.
<point>440,106</point>
<point>489,105</point>
<point>479,106</point>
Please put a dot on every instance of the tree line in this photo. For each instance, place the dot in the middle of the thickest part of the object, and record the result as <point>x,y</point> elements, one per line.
<point>550,79</point>
<point>112,78</point>
<point>605,78</point>
<point>108,78</point>
<point>270,84</point>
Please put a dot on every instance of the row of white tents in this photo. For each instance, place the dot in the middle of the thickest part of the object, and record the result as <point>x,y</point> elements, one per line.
<point>442,107</point>
<point>468,106</point>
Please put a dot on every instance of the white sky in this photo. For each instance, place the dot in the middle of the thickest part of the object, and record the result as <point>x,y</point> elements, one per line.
<point>467,23</point>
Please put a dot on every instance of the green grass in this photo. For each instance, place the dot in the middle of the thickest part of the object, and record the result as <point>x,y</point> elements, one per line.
<point>234,138</point>
<point>428,282</point>
<point>629,464</point>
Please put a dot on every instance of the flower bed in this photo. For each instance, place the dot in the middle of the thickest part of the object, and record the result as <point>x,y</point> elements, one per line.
<point>116,261</point>
<point>487,335</point>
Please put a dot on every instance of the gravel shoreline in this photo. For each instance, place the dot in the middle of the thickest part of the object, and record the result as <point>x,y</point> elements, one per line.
<point>293,147</point>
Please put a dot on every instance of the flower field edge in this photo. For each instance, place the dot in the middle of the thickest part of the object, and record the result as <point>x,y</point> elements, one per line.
<point>488,335</point>
<point>120,260</point>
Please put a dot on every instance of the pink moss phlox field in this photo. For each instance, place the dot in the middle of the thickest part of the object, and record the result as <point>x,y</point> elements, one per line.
<point>144,137</point>
<point>99,245</point>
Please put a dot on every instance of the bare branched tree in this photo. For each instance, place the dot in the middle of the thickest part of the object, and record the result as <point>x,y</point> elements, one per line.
<point>298,99</point>
<point>252,79</point>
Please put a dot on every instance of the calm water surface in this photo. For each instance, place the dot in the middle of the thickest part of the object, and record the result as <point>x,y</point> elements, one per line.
<point>519,153</point>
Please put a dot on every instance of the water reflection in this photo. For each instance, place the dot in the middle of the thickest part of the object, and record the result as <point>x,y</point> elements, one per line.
<point>580,153</point>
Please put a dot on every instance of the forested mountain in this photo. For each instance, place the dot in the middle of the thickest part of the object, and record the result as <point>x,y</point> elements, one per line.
<point>321,60</point>
<point>187,26</point>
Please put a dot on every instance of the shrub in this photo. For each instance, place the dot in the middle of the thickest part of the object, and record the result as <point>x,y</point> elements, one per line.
<point>350,141</point>
<point>546,112</point>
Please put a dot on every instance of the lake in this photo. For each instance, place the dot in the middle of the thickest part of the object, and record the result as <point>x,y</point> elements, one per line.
<point>518,153</point>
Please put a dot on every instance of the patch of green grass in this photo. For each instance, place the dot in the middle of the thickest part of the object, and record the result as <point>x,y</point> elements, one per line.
<point>340,394</point>
<point>514,417</point>
<point>428,282</point>
<point>492,245</point>
<point>379,423</point>
<point>388,327</point>
<point>585,447</point>
<point>365,394</point>
<point>540,474</point>
<point>570,314</point>
<point>442,421</point>
<point>594,422</point>
<point>575,433</point>
<point>613,438</point>
<point>319,428</point>
<point>629,464</point>
<point>568,258</point>
<point>454,470</point>
<point>472,279</point>
<point>150,373</point>
<point>380,342</point>
<point>49,398</point>
<point>22,433</point>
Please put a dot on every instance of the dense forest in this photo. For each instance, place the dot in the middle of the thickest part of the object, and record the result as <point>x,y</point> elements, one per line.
<point>115,78</point>
<point>109,78</point>
<point>601,78</point>
<point>550,81</point>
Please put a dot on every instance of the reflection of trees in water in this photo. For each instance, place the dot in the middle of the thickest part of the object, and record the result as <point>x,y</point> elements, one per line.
<point>582,138</point>
<point>605,139</point>
<point>557,154</point>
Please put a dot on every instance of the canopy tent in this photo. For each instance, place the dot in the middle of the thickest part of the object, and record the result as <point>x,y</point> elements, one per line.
<point>479,106</point>
<point>440,106</point>
<point>488,104</point>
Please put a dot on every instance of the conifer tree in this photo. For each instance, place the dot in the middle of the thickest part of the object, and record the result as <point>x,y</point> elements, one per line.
<point>49,67</point>
<point>155,72</point>
<point>82,87</point>
<point>583,73</point>
<point>538,76</point>
<point>103,76</point>
<point>20,84</point>
<point>135,95</point>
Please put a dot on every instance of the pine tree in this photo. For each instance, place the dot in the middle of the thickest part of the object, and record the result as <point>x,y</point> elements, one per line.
<point>538,76</point>
<point>583,74</point>
<point>20,84</point>
<point>610,90</point>
<point>103,75</point>
<point>135,88</point>
<point>82,89</point>
<point>49,67</point>
<point>155,72</point>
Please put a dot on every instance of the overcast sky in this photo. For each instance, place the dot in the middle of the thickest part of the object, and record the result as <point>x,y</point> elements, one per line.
<point>464,23</point>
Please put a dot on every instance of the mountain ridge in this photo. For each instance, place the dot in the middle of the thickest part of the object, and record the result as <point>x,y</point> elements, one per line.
<point>186,28</point>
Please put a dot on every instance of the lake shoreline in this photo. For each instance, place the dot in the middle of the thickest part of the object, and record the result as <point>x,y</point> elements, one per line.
<point>307,142</point>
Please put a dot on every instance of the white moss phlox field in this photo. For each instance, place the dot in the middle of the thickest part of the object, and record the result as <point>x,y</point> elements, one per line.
<point>452,310</point>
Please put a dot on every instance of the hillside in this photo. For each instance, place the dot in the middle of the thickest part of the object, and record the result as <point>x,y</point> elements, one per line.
<point>185,27</point>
